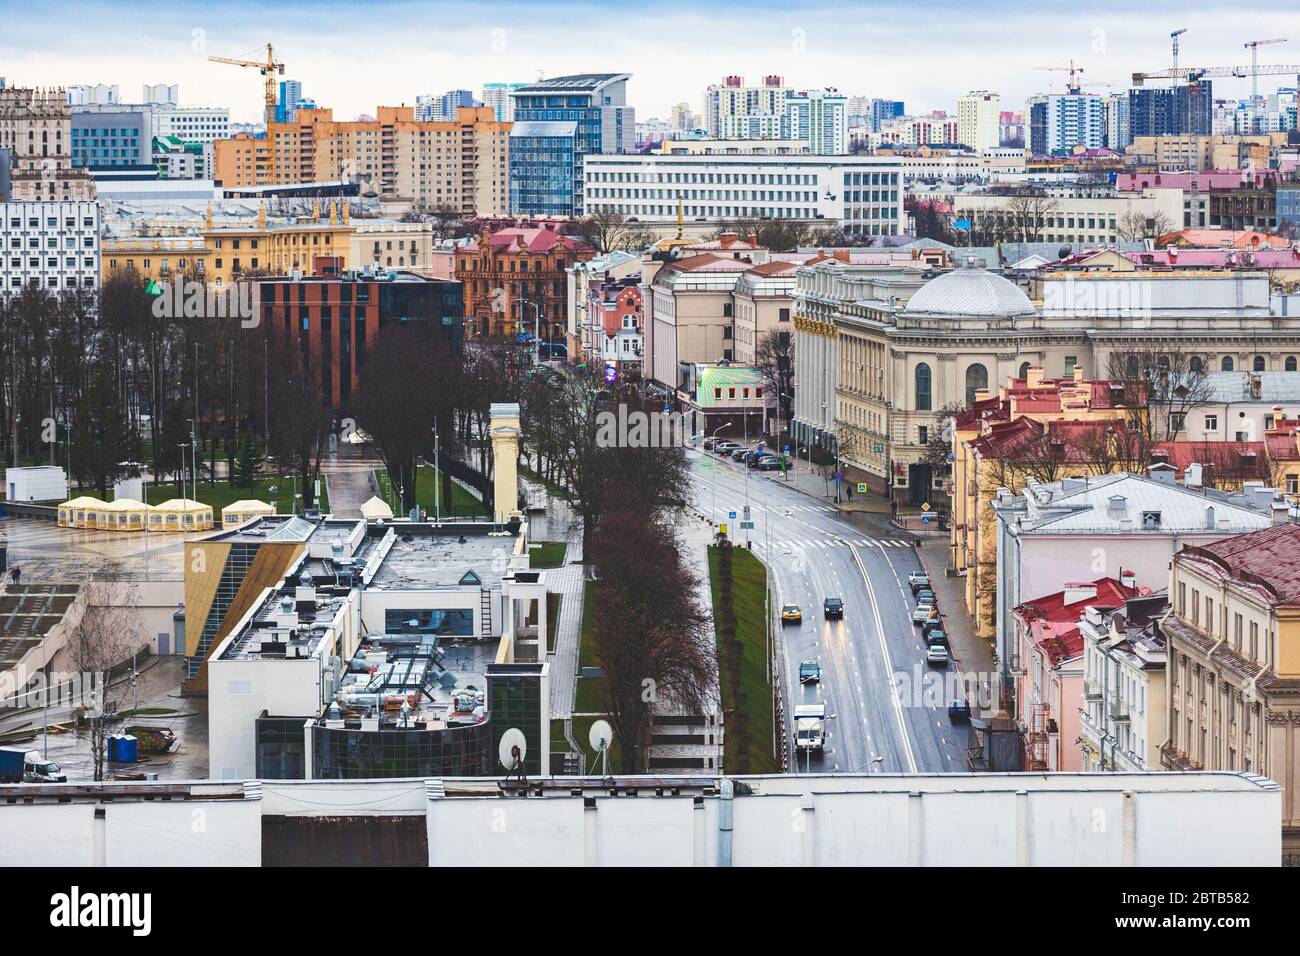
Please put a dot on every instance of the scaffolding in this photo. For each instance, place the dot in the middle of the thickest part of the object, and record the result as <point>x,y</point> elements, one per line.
<point>1036,738</point>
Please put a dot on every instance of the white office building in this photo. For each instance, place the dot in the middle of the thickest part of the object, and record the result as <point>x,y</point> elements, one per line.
<point>54,244</point>
<point>863,192</point>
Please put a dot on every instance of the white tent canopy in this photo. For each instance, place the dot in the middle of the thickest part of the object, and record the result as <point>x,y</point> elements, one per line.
<point>375,509</point>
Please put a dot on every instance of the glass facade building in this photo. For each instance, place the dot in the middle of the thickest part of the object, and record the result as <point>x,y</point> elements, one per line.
<point>111,139</point>
<point>556,123</point>
<point>514,699</point>
<point>352,752</point>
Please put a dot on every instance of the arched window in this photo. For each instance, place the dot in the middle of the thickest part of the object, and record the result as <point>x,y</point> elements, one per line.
<point>977,377</point>
<point>1259,363</point>
<point>923,398</point>
<point>1290,363</point>
<point>1131,366</point>
<point>1024,370</point>
<point>1226,364</point>
<point>1195,365</point>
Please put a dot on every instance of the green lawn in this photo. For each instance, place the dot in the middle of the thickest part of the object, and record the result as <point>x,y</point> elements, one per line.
<point>752,620</point>
<point>589,696</point>
<point>555,490</point>
<point>219,493</point>
<point>553,599</point>
<point>550,554</point>
<point>462,502</point>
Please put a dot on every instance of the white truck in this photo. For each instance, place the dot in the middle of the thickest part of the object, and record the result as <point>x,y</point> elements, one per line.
<point>28,766</point>
<point>810,727</point>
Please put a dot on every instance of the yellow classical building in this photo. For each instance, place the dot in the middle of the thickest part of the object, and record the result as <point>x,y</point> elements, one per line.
<point>223,251</point>
<point>1035,427</point>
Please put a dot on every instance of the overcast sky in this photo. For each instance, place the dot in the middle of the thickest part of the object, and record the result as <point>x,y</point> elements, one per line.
<point>353,57</point>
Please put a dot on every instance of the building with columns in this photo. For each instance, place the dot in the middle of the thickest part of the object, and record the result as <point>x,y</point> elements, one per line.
<point>880,354</point>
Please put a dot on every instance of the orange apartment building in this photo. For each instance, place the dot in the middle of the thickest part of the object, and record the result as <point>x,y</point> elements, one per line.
<point>461,164</point>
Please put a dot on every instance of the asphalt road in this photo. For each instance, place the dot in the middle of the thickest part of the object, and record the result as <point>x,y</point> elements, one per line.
<point>814,551</point>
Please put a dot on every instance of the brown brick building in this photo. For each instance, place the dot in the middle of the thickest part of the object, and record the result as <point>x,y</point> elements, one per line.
<point>515,277</point>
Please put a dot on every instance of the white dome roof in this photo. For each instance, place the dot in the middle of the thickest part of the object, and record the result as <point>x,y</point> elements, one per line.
<point>970,292</point>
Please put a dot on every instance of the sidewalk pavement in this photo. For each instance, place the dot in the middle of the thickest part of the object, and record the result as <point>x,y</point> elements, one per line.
<point>970,652</point>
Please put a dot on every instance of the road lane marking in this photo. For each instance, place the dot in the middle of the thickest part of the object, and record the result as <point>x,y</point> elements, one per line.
<point>889,664</point>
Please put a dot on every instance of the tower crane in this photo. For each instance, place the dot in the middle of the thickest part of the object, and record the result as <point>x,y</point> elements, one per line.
<point>1072,86</point>
<point>1253,46</point>
<point>1174,37</point>
<point>269,68</point>
<point>1193,75</point>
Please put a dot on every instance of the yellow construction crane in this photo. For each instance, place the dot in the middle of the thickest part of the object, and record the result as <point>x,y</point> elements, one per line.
<point>269,69</point>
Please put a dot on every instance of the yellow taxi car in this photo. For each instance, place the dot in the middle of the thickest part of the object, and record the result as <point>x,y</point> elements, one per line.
<point>791,613</point>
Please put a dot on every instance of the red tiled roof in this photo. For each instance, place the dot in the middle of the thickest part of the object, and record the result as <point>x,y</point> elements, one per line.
<point>708,262</point>
<point>1270,556</point>
<point>1282,446</point>
<point>1005,438</point>
<point>1242,460</point>
<point>1054,625</point>
<point>534,239</point>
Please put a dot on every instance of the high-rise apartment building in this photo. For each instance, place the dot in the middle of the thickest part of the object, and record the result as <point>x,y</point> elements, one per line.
<point>557,123</point>
<point>819,118</point>
<point>460,164</point>
<point>883,111</point>
<point>1185,110</point>
<point>1119,128</point>
<point>978,114</point>
<point>36,138</point>
<point>732,98</point>
<point>1058,122</point>
<point>112,137</point>
<point>286,106</point>
<point>430,109</point>
<point>496,96</point>
<point>161,94</point>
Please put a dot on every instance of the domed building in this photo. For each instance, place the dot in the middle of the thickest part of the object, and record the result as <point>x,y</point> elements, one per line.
<point>881,352</point>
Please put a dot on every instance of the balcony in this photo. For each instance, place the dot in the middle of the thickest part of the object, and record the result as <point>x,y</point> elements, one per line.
<point>1117,709</point>
<point>1092,690</point>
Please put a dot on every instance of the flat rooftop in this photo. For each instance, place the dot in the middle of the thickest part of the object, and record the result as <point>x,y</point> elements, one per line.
<point>424,556</point>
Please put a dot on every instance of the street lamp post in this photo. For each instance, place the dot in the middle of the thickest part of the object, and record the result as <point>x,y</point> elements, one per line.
<point>715,473</point>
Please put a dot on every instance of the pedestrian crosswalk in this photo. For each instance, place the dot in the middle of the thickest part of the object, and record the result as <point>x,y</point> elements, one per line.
<point>780,545</point>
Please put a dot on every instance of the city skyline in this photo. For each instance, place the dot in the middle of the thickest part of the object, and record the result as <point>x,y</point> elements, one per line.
<point>515,42</point>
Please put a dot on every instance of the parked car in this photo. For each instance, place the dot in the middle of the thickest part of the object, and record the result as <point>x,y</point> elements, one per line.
<point>833,607</point>
<point>754,455</point>
<point>923,613</point>
<point>770,463</point>
<point>739,453</point>
<point>917,580</point>
<point>925,596</point>
<point>959,710</point>
<point>709,443</point>
<point>936,654</point>
<point>725,447</point>
<point>791,612</point>
<point>810,672</point>
<point>936,635</point>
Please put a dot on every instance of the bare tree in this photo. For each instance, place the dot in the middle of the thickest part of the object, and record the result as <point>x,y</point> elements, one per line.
<point>105,634</point>
<point>1157,388</point>
<point>1135,226</point>
<point>605,230</point>
<point>562,422</point>
<point>1028,214</point>
<point>774,359</point>
<point>650,630</point>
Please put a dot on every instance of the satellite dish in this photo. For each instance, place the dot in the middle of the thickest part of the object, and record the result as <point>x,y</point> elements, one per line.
<point>512,749</point>
<point>600,736</point>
